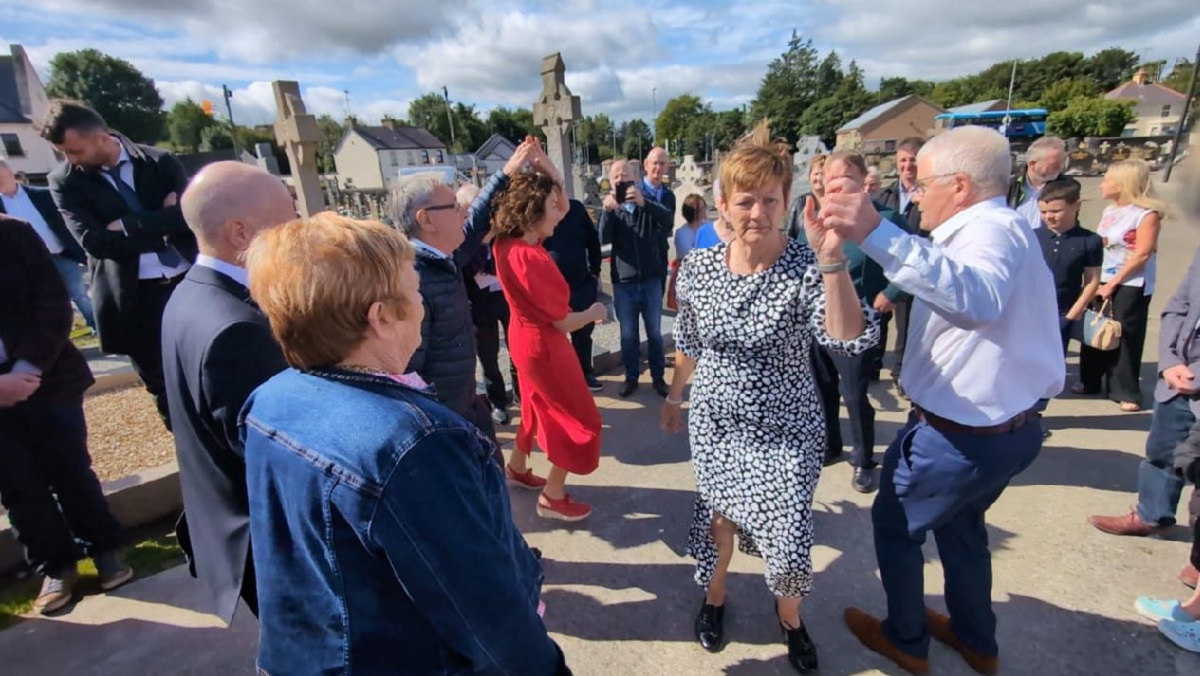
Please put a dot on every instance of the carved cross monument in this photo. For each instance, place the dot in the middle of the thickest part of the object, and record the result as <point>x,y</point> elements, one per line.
<point>297,131</point>
<point>555,112</point>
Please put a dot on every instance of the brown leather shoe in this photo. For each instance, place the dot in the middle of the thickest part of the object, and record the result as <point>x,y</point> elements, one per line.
<point>939,626</point>
<point>1126,524</point>
<point>1189,575</point>
<point>869,632</point>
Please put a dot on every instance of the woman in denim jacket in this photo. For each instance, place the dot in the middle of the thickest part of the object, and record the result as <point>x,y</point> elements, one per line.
<point>382,537</point>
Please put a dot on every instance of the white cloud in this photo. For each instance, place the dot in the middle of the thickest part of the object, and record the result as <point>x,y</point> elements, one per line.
<point>255,103</point>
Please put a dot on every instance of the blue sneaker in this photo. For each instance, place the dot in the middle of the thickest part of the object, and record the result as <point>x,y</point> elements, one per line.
<point>1158,610</point>
<point>1186,635</point>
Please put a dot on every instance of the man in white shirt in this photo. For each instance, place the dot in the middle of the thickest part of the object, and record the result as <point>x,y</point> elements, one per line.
<point>984,305</point>
<point>1044,162</point>
<point>36,207</point>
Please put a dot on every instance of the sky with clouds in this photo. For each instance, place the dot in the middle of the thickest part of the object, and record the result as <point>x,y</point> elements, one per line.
<point>623,57</point>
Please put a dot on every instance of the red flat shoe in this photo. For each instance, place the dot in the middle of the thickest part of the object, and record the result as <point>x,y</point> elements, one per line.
<point>563,510</point>
<point>527,480</point>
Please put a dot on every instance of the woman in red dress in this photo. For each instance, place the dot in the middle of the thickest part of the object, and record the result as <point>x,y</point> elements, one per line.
<point>556,407</point>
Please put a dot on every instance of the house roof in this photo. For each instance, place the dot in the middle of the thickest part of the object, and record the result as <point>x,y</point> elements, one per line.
<point>874,114</point>
<point>10,97</point>
<point>1153,93</point>
<point>496,145</point>
<point>979,107</point>
<point>398,138</point>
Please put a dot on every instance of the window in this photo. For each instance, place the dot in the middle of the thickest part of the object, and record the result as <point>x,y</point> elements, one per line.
<point>12,145</point>
<point>441,159</point>
<point>395,157</point>
<point>424,157</point>
<point>889,146</point>
<point>1166,111</point>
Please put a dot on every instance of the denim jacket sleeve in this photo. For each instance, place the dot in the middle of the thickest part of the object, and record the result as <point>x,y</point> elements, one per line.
<point>455,549</point>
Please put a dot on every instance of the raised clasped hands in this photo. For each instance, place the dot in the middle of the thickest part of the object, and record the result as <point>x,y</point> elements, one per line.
<point>825,241</point>
<point>851,214</point>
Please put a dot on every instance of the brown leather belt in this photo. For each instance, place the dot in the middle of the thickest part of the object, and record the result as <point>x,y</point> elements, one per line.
<point>943,425</point>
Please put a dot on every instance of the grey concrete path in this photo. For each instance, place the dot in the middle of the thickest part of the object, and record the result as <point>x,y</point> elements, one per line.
<point>619,590</point>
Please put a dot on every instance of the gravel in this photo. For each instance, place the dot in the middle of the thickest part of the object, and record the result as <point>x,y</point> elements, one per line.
<point>125,434</point>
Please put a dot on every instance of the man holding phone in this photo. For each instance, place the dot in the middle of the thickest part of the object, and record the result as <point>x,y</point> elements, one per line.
<point>637,229</point>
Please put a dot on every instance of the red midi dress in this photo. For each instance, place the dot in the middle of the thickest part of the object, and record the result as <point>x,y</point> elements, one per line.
<point>556,407</point>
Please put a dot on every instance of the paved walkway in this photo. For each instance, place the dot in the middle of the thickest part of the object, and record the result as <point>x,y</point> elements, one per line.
<point>621,599</point>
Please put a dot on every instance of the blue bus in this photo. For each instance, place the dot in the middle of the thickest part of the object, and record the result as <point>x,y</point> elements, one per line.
<point>1027,124</point>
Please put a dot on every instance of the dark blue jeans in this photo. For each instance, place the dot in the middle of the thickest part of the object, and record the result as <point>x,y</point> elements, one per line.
<point>640,299</point>
<point>53,498</point>
<point>72,275</point>
<point>1158,485</point>
<point>944,483</point>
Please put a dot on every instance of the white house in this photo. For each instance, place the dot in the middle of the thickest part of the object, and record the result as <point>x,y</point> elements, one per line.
<point>23,102</point>
<point>369,157</point>
<point>495,153</point>
<point>1156,105</point>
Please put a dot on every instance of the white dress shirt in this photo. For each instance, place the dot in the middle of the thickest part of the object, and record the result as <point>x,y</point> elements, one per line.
<point>983,337</point>
<point>149,267</point>
<point>21,206</point>
<point>234,272</point>
<point>1029,208</point>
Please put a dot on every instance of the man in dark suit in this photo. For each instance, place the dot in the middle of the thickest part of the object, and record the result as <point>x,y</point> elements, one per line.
<point>36,207</point>
<point>121,200</point>
<point>898,198</point>
<point>53,498</point>
<point>575,247</point>
<point>217,348</point>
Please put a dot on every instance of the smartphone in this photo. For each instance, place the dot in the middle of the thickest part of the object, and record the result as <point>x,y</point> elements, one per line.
<point>622,191</point>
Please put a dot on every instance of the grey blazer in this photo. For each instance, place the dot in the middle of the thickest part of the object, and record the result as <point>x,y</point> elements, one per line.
<point>1177,340</point>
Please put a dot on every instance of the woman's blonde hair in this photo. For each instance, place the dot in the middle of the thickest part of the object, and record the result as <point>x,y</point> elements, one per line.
<point>316,278</point>
<point>757,159</point>
<point>1132,178</point>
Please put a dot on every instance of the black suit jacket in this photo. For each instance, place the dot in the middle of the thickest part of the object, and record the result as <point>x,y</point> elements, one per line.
<point>43,201</point>
<point>88,203</point>
<point>36,315</point>
<point>217,348</point>
<point>575,248</point>
<point>890,198</point>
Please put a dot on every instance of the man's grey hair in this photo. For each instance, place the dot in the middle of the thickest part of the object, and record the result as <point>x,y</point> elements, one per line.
<point>1041,147</point>
<point>407,196</point>
<point>979,152</point>
<point>873,170</point>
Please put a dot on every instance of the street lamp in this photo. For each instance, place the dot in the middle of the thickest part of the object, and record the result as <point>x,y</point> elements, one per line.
<point>450,117</point>
<point>654,121</point>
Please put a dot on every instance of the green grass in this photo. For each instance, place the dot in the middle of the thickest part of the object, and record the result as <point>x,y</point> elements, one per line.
<point>147,557</point>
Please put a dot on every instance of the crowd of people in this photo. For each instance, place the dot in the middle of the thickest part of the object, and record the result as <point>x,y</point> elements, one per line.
<point>340,465</point>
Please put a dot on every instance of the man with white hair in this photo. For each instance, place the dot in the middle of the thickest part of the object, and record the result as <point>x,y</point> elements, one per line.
<point>984,305</point>
<point>217,348</point>
<point>874,183</point>
<point>446,236</point>
<point>1044,162</point>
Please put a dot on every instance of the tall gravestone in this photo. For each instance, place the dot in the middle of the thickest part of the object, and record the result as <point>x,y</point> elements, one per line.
<point>554,112</point>
<point>297,132</point>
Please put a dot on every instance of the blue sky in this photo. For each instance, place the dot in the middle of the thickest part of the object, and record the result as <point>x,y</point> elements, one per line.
<point>622,56</point>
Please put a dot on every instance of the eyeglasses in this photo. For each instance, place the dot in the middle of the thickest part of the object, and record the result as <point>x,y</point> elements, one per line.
<point>922,185</point>
<point>440,207</point>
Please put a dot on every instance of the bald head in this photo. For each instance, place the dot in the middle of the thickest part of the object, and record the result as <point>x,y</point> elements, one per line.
<point>228,203</point>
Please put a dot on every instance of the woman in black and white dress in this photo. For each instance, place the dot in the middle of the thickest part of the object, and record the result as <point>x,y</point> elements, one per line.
<point>748,313</point>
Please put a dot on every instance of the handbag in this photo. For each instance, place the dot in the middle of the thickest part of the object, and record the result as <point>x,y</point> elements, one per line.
<point>1100,330</point>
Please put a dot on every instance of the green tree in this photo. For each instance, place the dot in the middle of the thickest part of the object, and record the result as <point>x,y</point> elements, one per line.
<point>186,123</point>
<point>595,136</point>
<point>636,139</point>
<point>217,137</point>
<point>829,74</point>
<point>513,124</point>
<point>892,88</point>
<point>429,112</point>
<point>1110,67</point>
<point>1180,76</point>
<point>728,127</point>
<point>249,137</point>
<point>788,88</point>
<point>1058,95</point>
<point>117,90</point>
<point>331,131</point>
<point>680,118</point>
<point>1096,117</point>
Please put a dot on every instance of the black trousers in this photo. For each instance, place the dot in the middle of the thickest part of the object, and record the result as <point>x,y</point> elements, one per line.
<point>850,377</point>
<point>581,340</point>
<point>146,355</point>
<point>53,497</point>
<point>900,315</point>
<point>1120,367</point>
<point>488,323</point>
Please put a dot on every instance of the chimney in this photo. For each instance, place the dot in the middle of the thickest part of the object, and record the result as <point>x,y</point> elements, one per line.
<point>1140,76</point>
<point>351,121</point>
<point>389,122</point>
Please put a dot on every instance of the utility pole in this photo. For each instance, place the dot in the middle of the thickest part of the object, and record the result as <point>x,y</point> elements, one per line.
<point>654,121</point>
<point>450,117</point>
<point>614,131</point>
<point>1012,81</point>
<point>346,111</point>
<point>1187,104</point>
<point>232,128</point>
